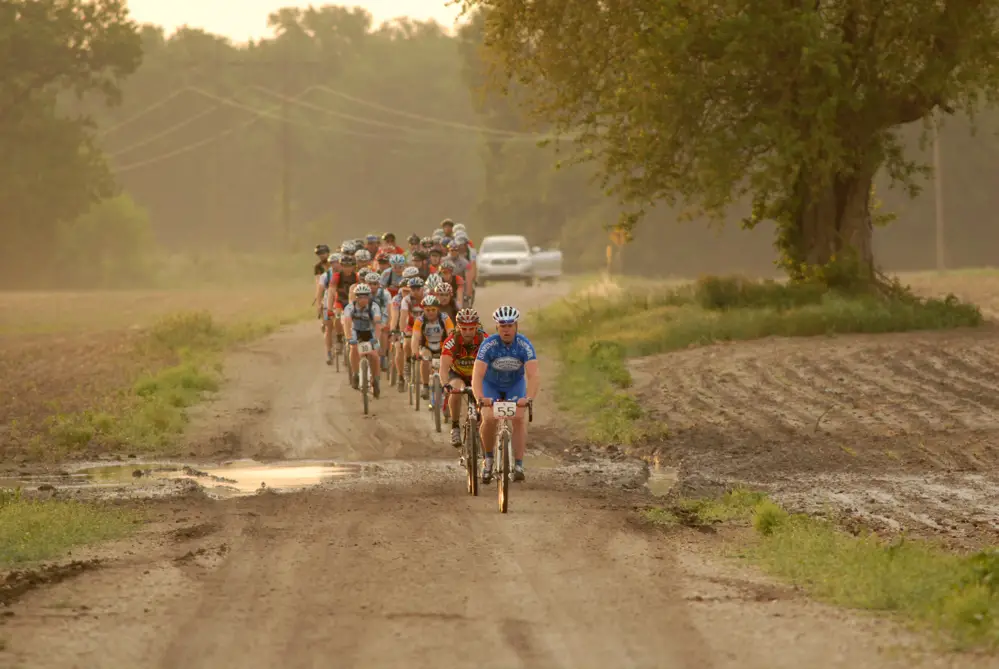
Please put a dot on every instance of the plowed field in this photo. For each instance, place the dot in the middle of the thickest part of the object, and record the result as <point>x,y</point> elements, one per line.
<point>898,429</point>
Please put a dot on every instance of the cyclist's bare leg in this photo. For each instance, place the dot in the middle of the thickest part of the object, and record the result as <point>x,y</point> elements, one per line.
<point>425,372</point>
<point>400,357</point>
<point>487,431</point>
<point>328,337</point>
<point>355,360</point>
<point>376,363</point>
<point>454,401</point>
<point>339,332</point>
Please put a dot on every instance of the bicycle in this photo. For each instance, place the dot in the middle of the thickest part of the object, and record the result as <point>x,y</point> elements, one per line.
<point>436,390</point>
<point>392,371</point>
<point>504,411</point>
<point>363,348</point>
<point>470,441</point>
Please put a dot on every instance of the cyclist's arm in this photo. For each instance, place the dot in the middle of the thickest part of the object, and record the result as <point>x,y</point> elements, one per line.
<point>377,320</point>
<point>348,326</point>
<point>460,297</point>
<point>445,364</point>
<point>414,344</point>
<point>533,378</point>
<point>478,375</point>
<point>448,326</point>
<point>318,299</point>
<point>393,316</point>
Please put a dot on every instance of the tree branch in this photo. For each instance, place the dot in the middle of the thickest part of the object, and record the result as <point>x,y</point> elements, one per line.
<point>943,58</point>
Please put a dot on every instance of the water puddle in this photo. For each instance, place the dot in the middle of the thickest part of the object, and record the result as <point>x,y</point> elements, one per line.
<point>662,480</point>
<point>235,478</point>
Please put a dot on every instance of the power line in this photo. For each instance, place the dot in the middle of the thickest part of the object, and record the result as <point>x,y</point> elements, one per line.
<point>164,133</point>
<point>143,112</point>
<point>429,119</point>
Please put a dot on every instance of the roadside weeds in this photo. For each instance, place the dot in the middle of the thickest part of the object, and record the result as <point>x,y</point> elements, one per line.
<point>148,416</point>
<point>33,530</point>
<point>955,595</point>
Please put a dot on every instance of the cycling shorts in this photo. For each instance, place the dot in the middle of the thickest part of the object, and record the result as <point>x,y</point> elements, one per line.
<point>512,394</point>
<point>451,374</point>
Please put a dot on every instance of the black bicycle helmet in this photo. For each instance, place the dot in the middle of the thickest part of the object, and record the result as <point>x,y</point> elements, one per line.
<point>426,242</point>
<point>388,237</point>
<point>322,250</point>
<point>413,239</point>
<point>447,221</point>
<point>420,255</point>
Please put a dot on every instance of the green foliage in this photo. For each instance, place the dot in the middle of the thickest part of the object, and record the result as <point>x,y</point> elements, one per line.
<point>116,239</point>
<point>32,530</point>
<point>51,169</point>
<point>952,593</point>
<point>149,415</point>
<point>793,106</point>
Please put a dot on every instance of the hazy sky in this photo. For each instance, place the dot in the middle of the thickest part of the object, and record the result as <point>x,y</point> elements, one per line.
<point>245,19</point>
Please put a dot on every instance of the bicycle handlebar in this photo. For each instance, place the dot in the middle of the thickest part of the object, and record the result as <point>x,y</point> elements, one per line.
<point>468,391</point>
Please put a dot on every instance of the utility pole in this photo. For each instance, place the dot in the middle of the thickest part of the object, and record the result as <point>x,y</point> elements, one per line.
<point>938,194</point>
<point>286,148</point>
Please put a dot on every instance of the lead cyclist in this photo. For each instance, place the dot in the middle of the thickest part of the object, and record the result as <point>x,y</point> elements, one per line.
<point>506,369</point>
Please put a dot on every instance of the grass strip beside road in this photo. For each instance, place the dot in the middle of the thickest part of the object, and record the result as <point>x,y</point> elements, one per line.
<point>148,416</point>
<point>954,594</point>
<point>33,530</point>
<point>597,329</point>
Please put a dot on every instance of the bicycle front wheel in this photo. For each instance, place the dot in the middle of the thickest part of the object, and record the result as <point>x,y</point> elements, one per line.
<point>364,382</point>
<point>504,470</point>
<point>472,455</point>
<point>437,396</point>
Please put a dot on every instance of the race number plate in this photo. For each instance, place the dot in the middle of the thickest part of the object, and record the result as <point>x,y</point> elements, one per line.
<point>364,347</point>
<point>504,409</point>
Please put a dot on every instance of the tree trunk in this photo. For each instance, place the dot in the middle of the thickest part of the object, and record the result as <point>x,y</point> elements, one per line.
<point>834,224</point>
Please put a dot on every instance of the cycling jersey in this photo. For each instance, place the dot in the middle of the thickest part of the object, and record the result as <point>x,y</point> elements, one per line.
<point>391,281</point>
<point>394,250</point>
<point>415,310</point>
<point>460,265</point>
<point>343,282</point>
<point>432,334</point>
<point>463,353</point>
<point>451,309</point>
<point>363,319</point>
<point>506,361</point>
<point>381,297</point>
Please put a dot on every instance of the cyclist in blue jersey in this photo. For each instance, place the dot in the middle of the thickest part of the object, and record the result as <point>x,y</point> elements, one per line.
<point>506,369</point>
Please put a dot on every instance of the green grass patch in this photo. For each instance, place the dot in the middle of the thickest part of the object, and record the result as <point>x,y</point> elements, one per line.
<point>32,530</point>
<point>149,415</point>
<point>596,330</point>
<point>955,594</point>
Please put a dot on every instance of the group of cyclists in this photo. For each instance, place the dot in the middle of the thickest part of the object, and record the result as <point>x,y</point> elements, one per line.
<point>420,299</point>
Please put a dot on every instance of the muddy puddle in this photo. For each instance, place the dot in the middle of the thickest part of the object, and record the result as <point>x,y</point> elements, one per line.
<point>662,480</point>
<point>229,479</point>
<point>226,480</point>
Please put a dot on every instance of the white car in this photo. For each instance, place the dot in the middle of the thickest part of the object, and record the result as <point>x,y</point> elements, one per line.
<point>504,258</point>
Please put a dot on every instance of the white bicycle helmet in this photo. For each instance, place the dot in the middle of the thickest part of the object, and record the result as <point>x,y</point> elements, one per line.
<point>373,277</point>
<point>410,272</point>
<point>362,290</point>
<point>434,281</point>
<point>416,283</point>
<point>506,315</point>
<point>444,289</point>
<point>363,256</point>
<point>458,227</point>
<point>397,259</point>
<point>430,301</point>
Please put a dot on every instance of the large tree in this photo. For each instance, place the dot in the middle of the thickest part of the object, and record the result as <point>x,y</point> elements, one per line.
<point>51,170</point>
<point>792,105</point>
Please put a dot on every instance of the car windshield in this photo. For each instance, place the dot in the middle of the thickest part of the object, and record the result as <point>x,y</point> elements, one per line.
<point>503,246</point>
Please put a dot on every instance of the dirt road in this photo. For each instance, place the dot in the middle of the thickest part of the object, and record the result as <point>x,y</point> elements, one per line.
<point>398,566</point>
